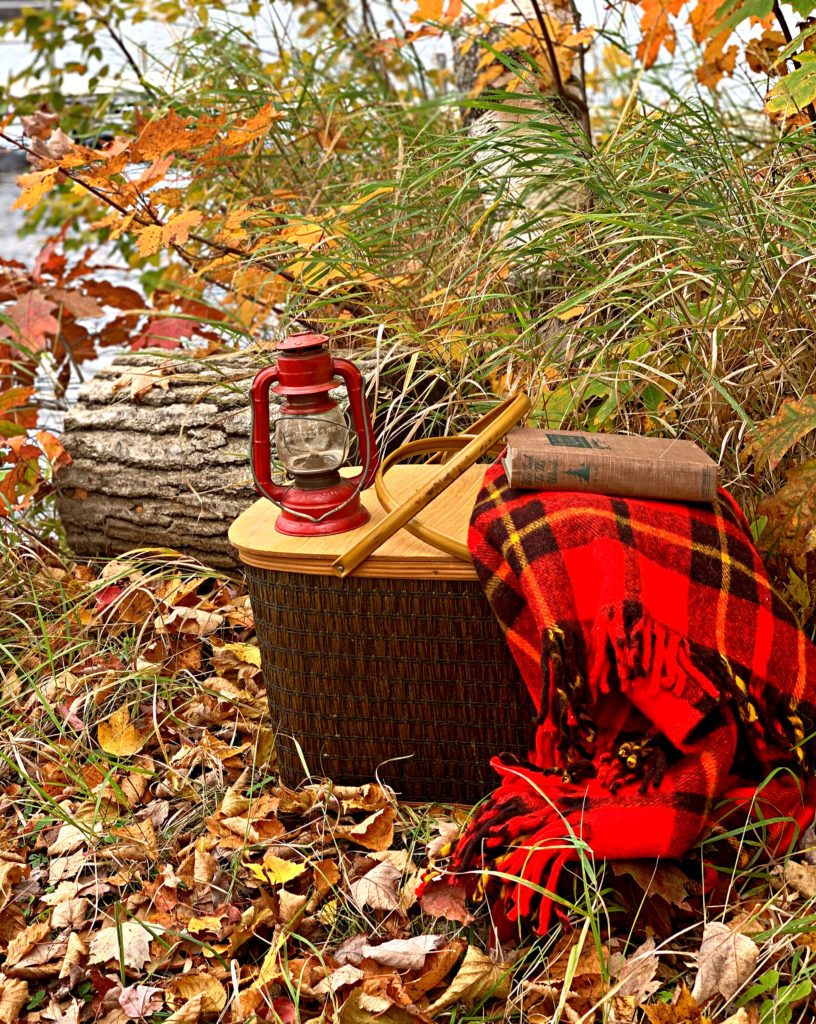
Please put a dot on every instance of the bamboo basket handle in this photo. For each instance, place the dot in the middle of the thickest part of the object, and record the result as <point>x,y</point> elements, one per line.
<point>444,446</point>
<point>506,417</point>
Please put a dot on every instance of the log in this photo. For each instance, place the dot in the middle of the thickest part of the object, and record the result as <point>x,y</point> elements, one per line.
<point>168,468</point>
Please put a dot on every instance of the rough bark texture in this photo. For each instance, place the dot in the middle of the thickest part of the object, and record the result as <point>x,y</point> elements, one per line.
<point>169,469</point>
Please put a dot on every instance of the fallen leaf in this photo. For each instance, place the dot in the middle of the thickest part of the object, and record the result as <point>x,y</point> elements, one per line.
<point>682,1010</point>
<point>477,978</point>
<point>188,986</point>
<point>378,888</point>
<point>661,879</point>
<point>187,1013</point>
<point>436,967</point>
<point>726,960</point>
<point>75,953</point>
<point>140,1000</point>
<point>118,736</point>
<point>404,954</point>
<point>345,975</point>
<point>637,975</point>
<point>277,871</point>
<point>134,950</point>
<point>26,940</point>
<point>439,899</point>
<point>69,838</point>
<point>13,997</point>
<point>802,878</point>
<point>141,383</point>
<point>69,914</point>
<point>376,832</point>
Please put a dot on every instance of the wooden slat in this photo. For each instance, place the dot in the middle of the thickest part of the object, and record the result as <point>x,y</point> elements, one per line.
<point>401,557</point>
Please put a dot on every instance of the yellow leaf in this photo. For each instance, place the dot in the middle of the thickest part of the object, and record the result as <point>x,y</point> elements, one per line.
<point>188,986</point>
<point>34,187</point>
<point>476,978</point>
<point>277,871</point>
<point>189,1012</point>
<point>177,229</point>
<point>119,737</point>
<point>150,240</point>
<point>571,313</point>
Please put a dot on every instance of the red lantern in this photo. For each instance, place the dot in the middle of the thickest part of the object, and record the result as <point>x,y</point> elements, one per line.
<point>312,438</point>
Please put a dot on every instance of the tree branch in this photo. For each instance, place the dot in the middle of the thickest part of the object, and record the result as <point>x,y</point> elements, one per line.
<point>786,32</point>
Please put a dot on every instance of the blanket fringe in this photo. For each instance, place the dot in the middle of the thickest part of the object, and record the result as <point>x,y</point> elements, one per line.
<point>629,649</point>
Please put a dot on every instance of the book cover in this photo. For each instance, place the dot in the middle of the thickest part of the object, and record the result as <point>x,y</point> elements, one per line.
<point>619,464</point>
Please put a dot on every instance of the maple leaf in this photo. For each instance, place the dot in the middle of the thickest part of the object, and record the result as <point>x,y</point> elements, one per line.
<point>118,736</point>
<point>725,962</point>
<point>127,944</point>
<point>656,28</point>
<point>796,90</point>
<point>35,186</point>
<point>788,540</point>
<point>31,316</point>
<point>778,434</point>
<point>436,12</point>
<point>160,137</point>
<point>477,978</point>
<point>164,333</point>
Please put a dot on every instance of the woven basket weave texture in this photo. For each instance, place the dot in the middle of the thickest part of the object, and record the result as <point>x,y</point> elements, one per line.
<point>364,671</point>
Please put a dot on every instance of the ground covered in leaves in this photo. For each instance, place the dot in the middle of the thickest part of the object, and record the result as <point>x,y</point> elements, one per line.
<point>152,866</point>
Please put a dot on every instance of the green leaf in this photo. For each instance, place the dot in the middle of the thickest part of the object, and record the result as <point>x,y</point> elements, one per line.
<point>777,435</point>
<point>803,7</point>
<point>796,89</point>
<point>751,8</point>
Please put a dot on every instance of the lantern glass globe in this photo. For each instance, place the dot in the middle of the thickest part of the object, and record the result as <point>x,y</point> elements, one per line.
<point>317,443</point>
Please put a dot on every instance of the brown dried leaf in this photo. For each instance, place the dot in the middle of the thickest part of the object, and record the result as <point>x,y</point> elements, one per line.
<point>184,989</point>
<point>135,945</point>
<point>439,899</point>
<point>682,1010</point>
<point>189,1012</point>
<point>343,976</point>
<point>13,997</point>
<point>69,914</point>
<point>141,383</point>
<point>26,940</point>
<point>69,838</point>
<point>74,955</point>
<point>376,832</point>
<point>404,954</point>
<point>726,960</point>
<point>477,978</point>
<point>637,975</point>
<point>802,878</point>
<point>665,880</point>
<point>378,888</point>
<point>140,1000</point>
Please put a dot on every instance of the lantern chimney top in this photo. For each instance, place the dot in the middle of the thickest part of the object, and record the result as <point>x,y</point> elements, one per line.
<point>301,340</point>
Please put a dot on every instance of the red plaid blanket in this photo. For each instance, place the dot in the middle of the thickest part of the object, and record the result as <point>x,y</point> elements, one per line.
<point>667,677</point>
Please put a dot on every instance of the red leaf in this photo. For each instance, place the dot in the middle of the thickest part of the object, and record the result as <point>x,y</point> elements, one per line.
<point>164,333</point>
<point>107,597</point>
<point>31,313</point>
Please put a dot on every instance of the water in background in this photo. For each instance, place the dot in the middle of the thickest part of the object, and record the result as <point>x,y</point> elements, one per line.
<point>13,247</point>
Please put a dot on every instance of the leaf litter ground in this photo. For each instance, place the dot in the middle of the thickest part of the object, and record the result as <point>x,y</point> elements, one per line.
<point>153,867</point>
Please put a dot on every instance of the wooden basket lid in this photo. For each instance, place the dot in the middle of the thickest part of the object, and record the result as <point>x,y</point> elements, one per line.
<point>401,557</point>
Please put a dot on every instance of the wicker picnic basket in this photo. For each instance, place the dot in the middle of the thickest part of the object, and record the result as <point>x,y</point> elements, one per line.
<point>399,672</point>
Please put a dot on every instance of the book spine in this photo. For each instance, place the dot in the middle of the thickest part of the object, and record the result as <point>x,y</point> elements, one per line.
<point>578,470</point>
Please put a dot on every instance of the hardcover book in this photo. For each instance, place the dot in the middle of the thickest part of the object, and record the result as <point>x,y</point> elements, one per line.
<point>620,464</point>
